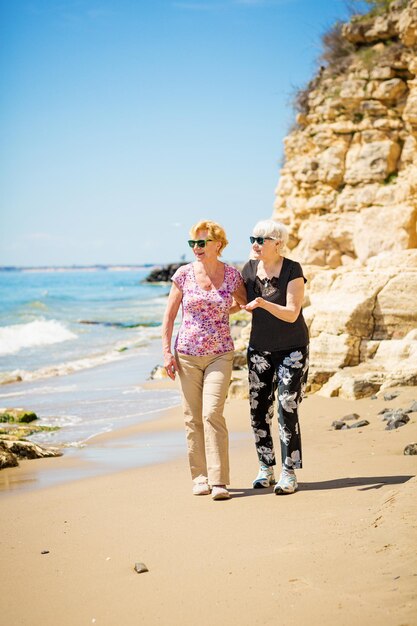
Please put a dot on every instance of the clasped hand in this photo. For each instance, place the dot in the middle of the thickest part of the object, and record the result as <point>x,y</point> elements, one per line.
<point>171,366</point>
<point>254,304</point>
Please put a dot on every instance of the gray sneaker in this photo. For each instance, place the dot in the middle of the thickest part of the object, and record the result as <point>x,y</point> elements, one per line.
<point>287,484</point>
<point>265,477</point>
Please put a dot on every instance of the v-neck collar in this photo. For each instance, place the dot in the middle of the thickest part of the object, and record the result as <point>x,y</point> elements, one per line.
<point>284,260</point>
<point>213,288</point>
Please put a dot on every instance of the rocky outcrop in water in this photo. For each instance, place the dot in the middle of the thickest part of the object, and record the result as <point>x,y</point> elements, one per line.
<point>13,449</point>
<point>16,425</point>
<point>162,273</point>
<point>348,194</point>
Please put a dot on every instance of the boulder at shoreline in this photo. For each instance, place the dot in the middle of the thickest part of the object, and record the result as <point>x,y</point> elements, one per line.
<point>163,273</point>
<point>13,445</point>
<point>12,449</point>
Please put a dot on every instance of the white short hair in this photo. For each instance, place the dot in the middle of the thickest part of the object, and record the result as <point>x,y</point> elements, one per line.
<point>271,228</point>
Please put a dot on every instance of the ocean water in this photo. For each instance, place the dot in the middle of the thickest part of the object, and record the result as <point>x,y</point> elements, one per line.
<point>70,320</point>
<point>75,347</point>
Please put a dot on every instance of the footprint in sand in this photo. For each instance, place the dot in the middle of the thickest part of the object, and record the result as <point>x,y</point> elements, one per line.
<point>299,581</point>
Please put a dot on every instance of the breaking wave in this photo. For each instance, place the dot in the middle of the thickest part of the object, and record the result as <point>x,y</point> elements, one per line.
<point>37,333</point>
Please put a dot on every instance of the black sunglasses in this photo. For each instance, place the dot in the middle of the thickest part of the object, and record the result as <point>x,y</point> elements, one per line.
<point>261,240</point>
<point>200,243</point>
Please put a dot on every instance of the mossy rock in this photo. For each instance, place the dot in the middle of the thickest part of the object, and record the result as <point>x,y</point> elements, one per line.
<point>16,430</point>
<point>7,459</point>
<point>17,415</point>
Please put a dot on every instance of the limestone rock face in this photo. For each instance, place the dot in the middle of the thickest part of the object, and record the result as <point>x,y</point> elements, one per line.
<point>348,195</point>
<point>399,233</point>
<point>368,161</point>
<point>410,109</point>
<point>407,26</point>
<point>395,307</point>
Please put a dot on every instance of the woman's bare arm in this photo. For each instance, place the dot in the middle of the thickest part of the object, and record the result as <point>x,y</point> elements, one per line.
<point>239,298</point>
<point>289,312</point>
<point>174,301</point>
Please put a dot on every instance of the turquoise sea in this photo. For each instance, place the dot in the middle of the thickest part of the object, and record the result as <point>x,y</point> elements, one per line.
<point>75,346</point>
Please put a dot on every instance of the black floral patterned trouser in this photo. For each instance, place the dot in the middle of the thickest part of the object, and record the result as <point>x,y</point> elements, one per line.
<point>286,372</point>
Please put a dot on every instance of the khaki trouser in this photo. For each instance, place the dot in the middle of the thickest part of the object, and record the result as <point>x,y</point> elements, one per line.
<point>205,382</point>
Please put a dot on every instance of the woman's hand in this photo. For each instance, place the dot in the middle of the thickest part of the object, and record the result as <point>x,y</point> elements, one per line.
<point>235,307</point>
<point>170,365</point>
<point>289,312</point>
<point>254,304</point>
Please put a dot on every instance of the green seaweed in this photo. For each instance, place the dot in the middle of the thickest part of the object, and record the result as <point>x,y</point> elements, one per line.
<point>390,178</point>
<point>18,416</point>
<point>16,430</point>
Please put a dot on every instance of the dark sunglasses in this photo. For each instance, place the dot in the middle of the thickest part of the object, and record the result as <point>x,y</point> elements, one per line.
<point>200,243</point>
<point>261,240</point>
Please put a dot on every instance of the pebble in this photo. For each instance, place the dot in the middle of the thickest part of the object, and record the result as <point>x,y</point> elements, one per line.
<point>45,552</point>
<point>360,424</point>
<point>397,421</point>
<point>341,424</point>
<point>394,414</point>
<point>411,448</point>
<point>413,407</point>
<point>140,568</point>
<point>384,410</point>
<point>390,396</point>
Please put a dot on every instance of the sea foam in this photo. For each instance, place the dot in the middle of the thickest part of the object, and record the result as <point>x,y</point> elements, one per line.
<point>37,333</point>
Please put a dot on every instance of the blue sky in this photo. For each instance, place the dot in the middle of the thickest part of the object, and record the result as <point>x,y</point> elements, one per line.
<point>124,122</point>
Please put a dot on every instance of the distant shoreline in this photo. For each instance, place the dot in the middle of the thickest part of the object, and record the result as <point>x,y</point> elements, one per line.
<point>94,268</point>
<point>77,268</point>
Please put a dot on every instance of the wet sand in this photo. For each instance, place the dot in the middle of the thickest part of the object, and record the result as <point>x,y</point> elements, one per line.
<point>340,551</point>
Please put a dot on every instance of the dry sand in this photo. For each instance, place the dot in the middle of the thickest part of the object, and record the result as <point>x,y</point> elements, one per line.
<point>341,551</point>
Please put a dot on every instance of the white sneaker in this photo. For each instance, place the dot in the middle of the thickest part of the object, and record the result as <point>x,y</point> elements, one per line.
<point>265,477</point>
<point>287,484</point>
<point>219,492</point>
<point>201,489</point>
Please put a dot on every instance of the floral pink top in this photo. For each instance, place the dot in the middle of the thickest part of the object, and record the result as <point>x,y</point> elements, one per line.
<point>205,325</point>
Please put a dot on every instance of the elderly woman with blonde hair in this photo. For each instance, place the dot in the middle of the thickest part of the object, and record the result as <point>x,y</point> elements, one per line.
<point>203,355</point>
<point>277,353</point>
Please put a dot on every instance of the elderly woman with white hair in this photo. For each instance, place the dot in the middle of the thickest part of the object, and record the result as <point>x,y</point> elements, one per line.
<point>277,353</point>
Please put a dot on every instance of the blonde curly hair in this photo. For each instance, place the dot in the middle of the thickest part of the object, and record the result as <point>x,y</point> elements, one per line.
<point>215,232</point>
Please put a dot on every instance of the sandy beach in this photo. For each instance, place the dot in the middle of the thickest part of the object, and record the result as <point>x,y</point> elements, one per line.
<point>341,551</point>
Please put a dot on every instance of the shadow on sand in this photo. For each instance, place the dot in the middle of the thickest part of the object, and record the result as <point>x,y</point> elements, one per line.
<point>364,483</point>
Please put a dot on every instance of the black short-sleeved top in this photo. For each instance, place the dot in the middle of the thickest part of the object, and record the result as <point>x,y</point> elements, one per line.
<point>270,334</point>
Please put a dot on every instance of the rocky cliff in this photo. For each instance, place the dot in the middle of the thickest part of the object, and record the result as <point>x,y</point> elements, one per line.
<point>348,193</point>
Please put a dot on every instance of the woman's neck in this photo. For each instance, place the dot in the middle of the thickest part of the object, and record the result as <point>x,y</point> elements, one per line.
<point>272,267</point>
<point>209,266</point>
